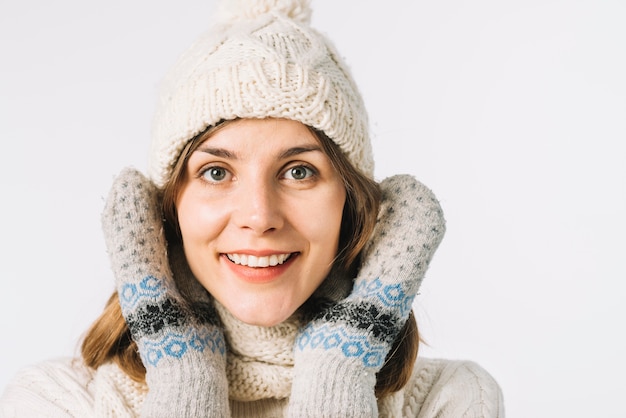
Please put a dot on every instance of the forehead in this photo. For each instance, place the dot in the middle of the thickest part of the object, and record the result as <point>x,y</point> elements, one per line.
<point>260,136</point>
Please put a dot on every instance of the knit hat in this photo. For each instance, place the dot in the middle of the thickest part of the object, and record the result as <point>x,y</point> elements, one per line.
<point>260,59</point>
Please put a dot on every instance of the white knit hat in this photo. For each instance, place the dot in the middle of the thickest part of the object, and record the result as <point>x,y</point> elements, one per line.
<point>260,59</point>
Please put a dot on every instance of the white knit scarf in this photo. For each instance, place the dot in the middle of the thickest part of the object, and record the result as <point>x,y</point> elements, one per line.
<point>260,359</point>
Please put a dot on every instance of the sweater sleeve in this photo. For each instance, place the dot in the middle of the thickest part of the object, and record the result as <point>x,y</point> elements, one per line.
<point>51,389</point>
<point>447,389</point>
<point>67,388</point>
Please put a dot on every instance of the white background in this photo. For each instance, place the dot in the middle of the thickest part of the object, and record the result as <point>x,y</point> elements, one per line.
<point>514,113</point>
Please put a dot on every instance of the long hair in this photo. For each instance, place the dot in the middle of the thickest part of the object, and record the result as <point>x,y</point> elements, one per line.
<point>108,339</point>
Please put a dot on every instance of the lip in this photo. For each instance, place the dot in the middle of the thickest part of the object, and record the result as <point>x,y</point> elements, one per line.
<point>258,275</point>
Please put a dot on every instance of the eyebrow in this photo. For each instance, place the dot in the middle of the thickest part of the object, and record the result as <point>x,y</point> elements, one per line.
<point>288,153</point>
<point>218,152</point>
<point>291,152</point>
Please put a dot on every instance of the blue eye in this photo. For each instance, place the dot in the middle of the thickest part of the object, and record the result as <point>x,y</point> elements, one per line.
<point>299,172</point>
<point>215,174</point>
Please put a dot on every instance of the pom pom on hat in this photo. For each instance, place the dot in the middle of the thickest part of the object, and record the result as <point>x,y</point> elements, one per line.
<point>230,11</point>
<point>261,59</point>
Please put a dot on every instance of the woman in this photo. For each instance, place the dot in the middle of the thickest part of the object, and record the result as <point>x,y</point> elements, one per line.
<point>242,303</point>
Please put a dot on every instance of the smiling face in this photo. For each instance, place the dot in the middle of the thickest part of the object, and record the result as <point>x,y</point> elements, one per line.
<point>259,212</point>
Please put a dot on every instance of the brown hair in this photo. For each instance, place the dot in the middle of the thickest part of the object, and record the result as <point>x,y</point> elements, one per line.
<point>108,339</point>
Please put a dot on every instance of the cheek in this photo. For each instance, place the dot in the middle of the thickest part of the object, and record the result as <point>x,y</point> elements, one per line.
<point>198,220</point>
<point>323,221</point>
<point>186,211</point>
<point>200,226</point>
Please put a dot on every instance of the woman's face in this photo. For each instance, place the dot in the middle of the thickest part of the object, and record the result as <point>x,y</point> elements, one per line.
<point>260,212</point>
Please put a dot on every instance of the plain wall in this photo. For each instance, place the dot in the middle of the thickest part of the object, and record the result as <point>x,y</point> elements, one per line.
<point>514,113</point>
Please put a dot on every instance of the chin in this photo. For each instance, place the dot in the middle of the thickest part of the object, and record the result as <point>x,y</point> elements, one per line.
<point>261,317</point>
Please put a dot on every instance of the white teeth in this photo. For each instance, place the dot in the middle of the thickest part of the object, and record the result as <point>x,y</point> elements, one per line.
<point>254,261</point>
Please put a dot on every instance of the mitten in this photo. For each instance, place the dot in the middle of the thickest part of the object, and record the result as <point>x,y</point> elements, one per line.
<point>339,352</point>
<point>179,338</point>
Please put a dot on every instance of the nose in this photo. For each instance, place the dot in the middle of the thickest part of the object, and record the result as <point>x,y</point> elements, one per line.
<point>258,207</point>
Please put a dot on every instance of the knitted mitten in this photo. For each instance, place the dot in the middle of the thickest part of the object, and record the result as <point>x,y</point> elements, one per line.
<point>179,338</point>
<point>340,351</point>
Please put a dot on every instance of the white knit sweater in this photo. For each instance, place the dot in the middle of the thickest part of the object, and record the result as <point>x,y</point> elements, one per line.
<point>66,388</point>
<point>259,371</point>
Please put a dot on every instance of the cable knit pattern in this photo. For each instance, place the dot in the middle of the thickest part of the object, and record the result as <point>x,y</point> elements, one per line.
<point>475,394</point>
<point>261,60</point>
<point>115,395</point>
<point>424,375</point>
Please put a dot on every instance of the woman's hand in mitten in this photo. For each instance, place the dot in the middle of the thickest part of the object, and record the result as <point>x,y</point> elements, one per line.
<point>339,352</point>
<point>179,339</point>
